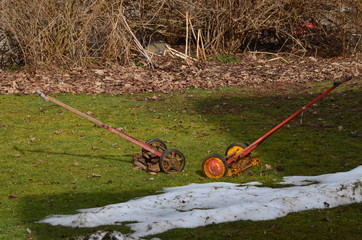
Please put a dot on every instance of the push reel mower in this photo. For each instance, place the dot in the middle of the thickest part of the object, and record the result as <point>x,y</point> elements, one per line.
<point>238,156</point>
<point>154,157</point>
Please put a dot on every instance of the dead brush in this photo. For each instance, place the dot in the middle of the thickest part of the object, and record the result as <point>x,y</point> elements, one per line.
<point>67,32</point>
<point>88,32</point>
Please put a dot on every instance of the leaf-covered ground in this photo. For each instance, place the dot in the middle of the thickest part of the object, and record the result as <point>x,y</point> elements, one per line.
<point>172,75</point>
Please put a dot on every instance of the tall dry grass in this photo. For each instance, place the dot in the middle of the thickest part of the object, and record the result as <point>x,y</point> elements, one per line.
<point>101,32</point>
<point>69,32</point>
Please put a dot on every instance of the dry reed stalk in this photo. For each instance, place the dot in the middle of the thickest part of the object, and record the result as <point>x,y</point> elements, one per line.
<point>187,33</point>
<point>200,50</point>
<point>174,52</point>
<point>198,46</point>
<point>138,44</point>
<point>82,32</point>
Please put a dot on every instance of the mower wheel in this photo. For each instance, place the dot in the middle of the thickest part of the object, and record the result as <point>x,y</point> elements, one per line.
<point>156,144</point>
<point>215,166</point>
<point>172,161</point>
<point>234,149</point>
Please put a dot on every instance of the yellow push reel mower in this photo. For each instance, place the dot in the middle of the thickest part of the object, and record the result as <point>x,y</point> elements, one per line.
<point>238,156</point>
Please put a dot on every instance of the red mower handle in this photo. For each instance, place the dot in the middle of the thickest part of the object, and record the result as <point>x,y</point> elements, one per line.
<point>255,144</point>
<point>99,123</point>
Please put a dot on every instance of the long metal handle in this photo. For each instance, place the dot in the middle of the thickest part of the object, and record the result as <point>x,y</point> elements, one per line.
<point>99,123</point>
<point>255,144</point>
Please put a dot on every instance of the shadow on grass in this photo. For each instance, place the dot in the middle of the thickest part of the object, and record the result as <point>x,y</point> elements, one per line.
<point>103,157</point>
<point>34,208</point>
<point>305,145</point>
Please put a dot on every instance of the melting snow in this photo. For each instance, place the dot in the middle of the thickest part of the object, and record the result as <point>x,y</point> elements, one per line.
<point>197,205</point>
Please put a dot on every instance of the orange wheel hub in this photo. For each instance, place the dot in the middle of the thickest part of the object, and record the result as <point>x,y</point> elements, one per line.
<point>215,166</point>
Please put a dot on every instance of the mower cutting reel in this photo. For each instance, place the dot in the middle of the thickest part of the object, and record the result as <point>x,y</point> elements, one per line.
<point>154,157</point>
<point>171,160</point>
<point>216,166</point>
<point>238,156</point>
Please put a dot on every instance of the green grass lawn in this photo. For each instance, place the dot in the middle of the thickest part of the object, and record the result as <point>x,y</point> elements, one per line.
<point>55,162</point>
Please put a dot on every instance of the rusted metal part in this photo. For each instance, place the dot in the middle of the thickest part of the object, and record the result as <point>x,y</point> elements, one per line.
<point>142,162</point>
<point>172,161</point>
<point>241,165</point>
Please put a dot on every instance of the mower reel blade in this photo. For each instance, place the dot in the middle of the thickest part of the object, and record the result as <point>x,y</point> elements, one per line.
<point>239,166</point>
<point>171,161</point>
<point>242,163</point>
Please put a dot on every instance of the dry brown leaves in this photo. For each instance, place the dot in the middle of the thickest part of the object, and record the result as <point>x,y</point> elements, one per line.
<point>173,75</point>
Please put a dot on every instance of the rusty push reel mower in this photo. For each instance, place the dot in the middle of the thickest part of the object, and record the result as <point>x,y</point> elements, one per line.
<point>238,156</point>
<point>155,157</point>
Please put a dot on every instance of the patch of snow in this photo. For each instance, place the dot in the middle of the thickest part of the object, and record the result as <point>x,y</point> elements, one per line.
<point>252,184</point>
<point>325,178</point>
<point>99,235</point>
<point>196,205</point>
